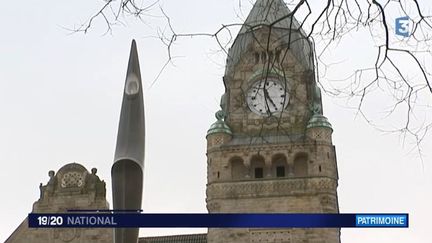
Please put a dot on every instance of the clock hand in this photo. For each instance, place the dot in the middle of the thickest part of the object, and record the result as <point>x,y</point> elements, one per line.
<point>271,101</point>
<point>267,97</point>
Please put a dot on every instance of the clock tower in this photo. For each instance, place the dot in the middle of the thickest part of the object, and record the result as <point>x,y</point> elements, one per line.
<point>270,150</point>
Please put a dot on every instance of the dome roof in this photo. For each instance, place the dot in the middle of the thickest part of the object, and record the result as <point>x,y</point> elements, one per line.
<point>318,120</point>
<point>219,126</point>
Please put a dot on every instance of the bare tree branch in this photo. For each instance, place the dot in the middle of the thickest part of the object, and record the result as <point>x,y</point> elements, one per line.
<point>325,25</point>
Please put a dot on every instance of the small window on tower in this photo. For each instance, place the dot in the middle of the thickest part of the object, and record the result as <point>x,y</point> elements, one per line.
<point>259,172</point>
<point>280,171</point>
<point>278,52</point>
<point>263,57</point>
<point>257,56</point>
<point>270,56</point>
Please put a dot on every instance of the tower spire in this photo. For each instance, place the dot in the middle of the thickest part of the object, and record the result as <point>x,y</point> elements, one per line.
<point>267,12</point>
<point>274,14</point>
<point>127,170</point>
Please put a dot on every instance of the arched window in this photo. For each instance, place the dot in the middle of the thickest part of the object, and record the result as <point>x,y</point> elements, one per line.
<point>279,166</point>
<point>257,166</point>
<point>300,164</point>
<point>238,169</point>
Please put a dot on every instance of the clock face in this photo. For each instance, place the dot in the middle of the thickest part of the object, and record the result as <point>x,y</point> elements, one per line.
<point>267,97</point>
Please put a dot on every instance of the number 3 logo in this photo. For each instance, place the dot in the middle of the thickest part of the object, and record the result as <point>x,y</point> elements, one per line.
<point>402,26</point>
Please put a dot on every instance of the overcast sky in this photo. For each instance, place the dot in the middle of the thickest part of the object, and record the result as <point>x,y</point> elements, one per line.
<point>60,98</point>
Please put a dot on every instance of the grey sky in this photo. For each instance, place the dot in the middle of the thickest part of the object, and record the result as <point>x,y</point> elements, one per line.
<point>60,97</point>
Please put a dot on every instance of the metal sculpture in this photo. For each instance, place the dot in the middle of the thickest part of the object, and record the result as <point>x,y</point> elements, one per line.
<point>127,170</point>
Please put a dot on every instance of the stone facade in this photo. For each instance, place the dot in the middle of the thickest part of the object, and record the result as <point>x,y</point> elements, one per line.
<point>308,185</point>
<point>72,187</point>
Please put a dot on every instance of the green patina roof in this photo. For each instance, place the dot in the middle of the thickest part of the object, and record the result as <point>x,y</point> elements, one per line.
<point>195,238</point>
<point>318,120</point>
<point>219,126</point>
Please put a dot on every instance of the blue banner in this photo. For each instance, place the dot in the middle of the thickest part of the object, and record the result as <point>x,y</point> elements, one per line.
<point>381,220</point>
<point>276,220</point>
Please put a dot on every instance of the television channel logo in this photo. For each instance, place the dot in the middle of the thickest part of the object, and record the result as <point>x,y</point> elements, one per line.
<point>402,26</point>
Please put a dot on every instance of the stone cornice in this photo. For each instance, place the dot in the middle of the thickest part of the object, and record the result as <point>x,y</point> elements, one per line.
<point>271,188</point>
<point>265,147</point>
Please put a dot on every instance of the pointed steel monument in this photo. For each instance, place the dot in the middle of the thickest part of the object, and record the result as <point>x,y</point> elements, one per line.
<point>128,167</point>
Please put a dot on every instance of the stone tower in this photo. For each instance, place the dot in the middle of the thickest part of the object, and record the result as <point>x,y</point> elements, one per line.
<point>270,149</point>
